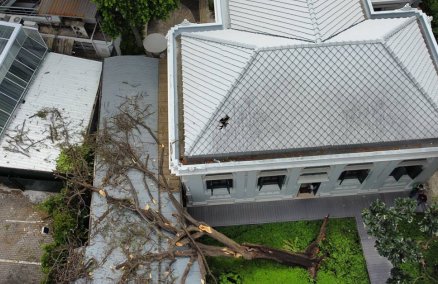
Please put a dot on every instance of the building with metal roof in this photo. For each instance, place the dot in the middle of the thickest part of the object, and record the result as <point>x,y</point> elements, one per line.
<point>35,86</point>
<point>302,98</point>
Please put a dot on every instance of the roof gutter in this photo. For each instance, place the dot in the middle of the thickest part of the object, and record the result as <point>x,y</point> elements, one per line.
<point>172,76</point>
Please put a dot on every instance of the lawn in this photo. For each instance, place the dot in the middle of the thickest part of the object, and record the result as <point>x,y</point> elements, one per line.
<point>344,262</point>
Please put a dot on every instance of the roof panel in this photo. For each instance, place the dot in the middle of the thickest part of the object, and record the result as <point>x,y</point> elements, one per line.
<point>62,82</point>
<point>278,107</point>
<point>209,70</point>
<point>312,20</point>
<point>420,66</point>
<point>69,8</point>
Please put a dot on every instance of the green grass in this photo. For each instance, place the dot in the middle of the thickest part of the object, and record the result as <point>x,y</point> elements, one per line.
<point>344,262</point>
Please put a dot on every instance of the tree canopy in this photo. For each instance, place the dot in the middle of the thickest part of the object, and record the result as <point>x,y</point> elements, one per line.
<point>430,7</point>
<point>408,239</point>
<point>118,16</point>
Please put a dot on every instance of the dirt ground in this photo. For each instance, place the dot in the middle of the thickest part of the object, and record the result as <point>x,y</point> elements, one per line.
<point>20,239</point>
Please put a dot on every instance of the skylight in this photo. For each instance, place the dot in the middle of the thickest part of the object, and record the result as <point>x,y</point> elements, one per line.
<point>21,52</point>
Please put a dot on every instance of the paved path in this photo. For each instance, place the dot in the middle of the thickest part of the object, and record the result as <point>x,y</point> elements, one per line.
<point>306,209</point>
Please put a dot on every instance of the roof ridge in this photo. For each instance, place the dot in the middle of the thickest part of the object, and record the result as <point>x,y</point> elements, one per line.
<point>314,21</point>
<point>230,90</point>
<point>409,75</point>
<point>321,44</point>
<point>399,28</point>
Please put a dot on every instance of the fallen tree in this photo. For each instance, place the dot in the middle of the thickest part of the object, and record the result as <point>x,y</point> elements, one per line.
<point>119,147</point>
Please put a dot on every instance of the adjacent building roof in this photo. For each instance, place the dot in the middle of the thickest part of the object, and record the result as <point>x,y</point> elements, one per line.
<point>63,83</point>
<point>362,86</point>
<point>84,9</point>
<point>124,78</point>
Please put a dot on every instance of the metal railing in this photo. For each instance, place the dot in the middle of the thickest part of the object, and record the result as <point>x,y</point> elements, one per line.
<point>8,7</point>
<point>18,11</point>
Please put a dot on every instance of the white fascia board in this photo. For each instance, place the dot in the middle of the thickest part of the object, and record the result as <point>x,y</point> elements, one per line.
<point>172,76</point>
<point>306,161</point>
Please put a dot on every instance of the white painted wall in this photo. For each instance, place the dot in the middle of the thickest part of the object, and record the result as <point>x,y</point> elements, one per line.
<point>245,187</point>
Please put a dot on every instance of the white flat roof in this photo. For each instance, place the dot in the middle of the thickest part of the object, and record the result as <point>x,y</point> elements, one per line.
<point>66,83</point>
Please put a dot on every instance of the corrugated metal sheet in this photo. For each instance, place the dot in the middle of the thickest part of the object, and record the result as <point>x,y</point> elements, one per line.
<point>63,82</point>
<point>209,69</point>
<point>408,41</point>
<point>311,20</point>
<point>123,78</point>
<point>84,9</point>
<point>334,16</point>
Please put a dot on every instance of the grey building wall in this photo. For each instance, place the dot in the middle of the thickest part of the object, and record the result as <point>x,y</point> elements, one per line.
<point>246,189</point>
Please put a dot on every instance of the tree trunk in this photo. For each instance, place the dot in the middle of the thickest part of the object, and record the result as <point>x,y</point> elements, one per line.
<point>252,251</point>
<point>138,40</point>
<point>308,259</point>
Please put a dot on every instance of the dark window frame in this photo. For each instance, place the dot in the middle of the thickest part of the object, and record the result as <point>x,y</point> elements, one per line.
<point>213,184</point>
<point>411,171</point>
<point>271,180</point>
<point>360,175</point>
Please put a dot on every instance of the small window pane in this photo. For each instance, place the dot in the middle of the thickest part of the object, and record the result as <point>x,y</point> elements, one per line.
<point>414,171</point>
<point>16,79</point>
<point>2,44</point>
<point>7,104</point>
<point>11,89</point>
<point>3,118</point>
<point>219,183</point>
<point>35,35</point>
<point>411,171</point>
<point>6,32</point>
<point>21,71</point>
<point>360,175</point>
<point>28,59</point>
<point>271,180</point>
<point>34,47</point>
<point>21,37</point>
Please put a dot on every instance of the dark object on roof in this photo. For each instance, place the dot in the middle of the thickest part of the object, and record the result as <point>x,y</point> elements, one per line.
<point>224,122</point>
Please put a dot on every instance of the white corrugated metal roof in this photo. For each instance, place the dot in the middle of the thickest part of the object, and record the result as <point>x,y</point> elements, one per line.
<point>66,83</point>
<point>354,89</point>
<point>410,48</point>
<point>376,29</point>
<point>209,69</point>
<point>125,77</point>
<point>312,20</point>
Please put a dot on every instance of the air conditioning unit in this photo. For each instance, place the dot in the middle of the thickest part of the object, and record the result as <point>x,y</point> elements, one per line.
<point>15,19</point>
<point>30,24</point>
<point>79,29</point>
